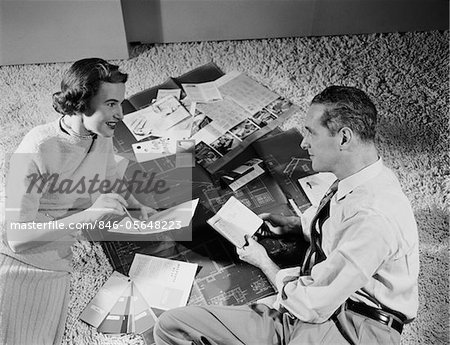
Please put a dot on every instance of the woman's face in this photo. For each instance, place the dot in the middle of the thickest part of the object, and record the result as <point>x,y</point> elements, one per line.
<point>105,109</point>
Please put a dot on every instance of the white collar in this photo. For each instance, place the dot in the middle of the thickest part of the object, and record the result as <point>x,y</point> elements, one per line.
<point>350,183</point>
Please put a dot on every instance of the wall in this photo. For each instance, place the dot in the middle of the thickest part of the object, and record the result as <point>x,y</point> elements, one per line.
<point>34,31</point>
<point>149,21</point>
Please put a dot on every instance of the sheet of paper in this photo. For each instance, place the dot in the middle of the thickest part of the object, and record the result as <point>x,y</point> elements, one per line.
<point>235,220</point>
<point>164,283</point>
<point>156,119</point>
<point>174,218</point>
<point>250,176</point>
<point>246,92</point>
<point>97,309</point>
<point>168,92</point>
<point>203,92</point>
<point>315,186</point>
<point>189,105</point>
<point>181,130</point>
<point>242,169</point>
<point>185,153</point>
<point>152,149</point>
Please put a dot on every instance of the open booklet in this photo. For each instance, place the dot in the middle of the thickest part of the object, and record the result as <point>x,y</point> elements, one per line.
<point>132,304</point>
<point>247,112</point>
<point>234,221</point>
<point>174,218</point>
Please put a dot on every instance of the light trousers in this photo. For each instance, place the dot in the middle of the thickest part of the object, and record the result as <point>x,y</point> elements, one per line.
<point>257,324</point>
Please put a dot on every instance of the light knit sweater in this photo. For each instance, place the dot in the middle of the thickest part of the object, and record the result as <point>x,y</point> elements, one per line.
<point>34,284</point>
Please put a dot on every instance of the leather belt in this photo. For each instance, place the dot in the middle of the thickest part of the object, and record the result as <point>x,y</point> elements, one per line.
<point>379,315</point>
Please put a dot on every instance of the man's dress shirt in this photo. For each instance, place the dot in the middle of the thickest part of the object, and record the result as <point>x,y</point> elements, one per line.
<point>371,244</point>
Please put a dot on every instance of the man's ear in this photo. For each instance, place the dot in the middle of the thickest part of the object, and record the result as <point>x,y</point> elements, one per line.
<point>346,137</point>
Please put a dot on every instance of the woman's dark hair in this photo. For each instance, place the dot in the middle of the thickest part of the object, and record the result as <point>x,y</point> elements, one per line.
<point>82,81</point>
<point>348,107</point>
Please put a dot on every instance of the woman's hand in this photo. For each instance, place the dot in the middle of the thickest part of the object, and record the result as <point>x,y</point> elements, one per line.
<point>107,204</point>
<point>136,205</point>
<point>145,211</point>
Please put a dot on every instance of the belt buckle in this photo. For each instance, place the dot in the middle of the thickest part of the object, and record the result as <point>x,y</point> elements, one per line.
<point>384,317</point>
<point>390,321</point>
<point>398,326</point>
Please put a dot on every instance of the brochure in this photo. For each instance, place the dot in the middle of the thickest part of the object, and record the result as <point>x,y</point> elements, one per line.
<point>164,283</point>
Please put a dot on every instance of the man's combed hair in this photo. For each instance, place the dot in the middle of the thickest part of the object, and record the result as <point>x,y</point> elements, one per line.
<point>82,82</point>
<point>348,107</point>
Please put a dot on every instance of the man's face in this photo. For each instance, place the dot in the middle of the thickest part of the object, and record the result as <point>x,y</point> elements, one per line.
<point>105,109</point>
<point>322,147</point>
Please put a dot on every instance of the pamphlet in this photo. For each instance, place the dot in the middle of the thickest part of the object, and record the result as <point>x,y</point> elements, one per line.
<point>235,220</point>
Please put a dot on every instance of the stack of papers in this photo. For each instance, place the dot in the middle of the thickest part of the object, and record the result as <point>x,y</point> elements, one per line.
<point>131,304</point>
<point>157,119</point>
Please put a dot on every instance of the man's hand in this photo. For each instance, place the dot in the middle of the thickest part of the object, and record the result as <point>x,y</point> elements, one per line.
<point>280,225</point>
<point>253,253</point>
<point>256,255</point>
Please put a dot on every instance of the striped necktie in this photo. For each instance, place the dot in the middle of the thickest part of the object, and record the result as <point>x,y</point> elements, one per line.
<point>315,252</point>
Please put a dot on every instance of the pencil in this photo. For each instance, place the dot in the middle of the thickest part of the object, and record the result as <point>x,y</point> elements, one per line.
<point>129,216</point>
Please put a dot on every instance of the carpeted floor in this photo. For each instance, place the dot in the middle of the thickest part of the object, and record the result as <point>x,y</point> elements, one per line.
<point>407,77</point>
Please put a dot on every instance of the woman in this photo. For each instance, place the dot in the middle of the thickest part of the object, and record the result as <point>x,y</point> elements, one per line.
<point>62,178</point>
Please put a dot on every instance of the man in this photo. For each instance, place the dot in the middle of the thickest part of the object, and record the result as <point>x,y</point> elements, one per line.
<point>358,281</point>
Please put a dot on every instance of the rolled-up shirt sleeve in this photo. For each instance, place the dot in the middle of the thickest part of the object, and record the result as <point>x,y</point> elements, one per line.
<point>365,241</point>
